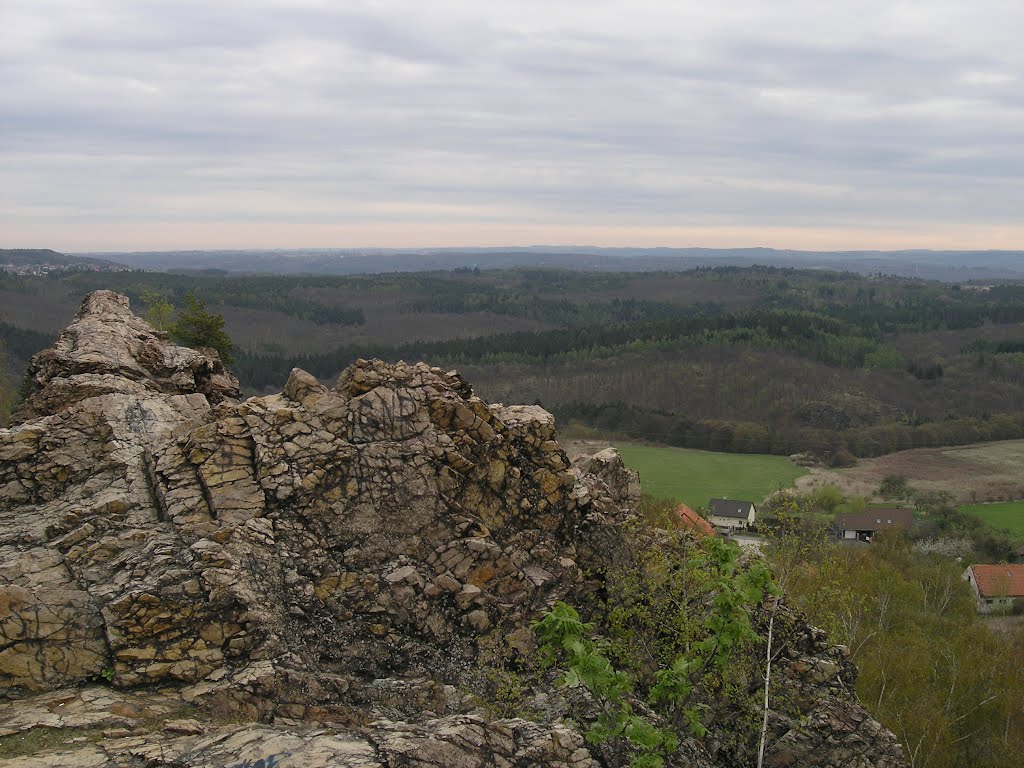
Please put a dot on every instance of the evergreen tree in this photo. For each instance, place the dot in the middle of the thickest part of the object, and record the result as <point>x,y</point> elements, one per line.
<point>195,327</point>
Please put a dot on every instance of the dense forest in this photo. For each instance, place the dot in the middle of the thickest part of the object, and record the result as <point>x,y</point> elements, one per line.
<point>750,359</point>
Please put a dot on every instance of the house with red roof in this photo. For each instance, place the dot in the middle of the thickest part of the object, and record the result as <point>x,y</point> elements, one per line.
<point>995,587</point>
<point>690,520</point>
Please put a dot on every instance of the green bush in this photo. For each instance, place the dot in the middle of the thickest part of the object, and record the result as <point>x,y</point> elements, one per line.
<point>677,623</point>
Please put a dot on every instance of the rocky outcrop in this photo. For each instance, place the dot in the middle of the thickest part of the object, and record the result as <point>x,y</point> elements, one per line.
<point>351,566</point>
<point>606,465</point>
<point>108,350</point>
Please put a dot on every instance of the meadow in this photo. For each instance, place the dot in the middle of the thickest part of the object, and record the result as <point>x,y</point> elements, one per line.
<point>981,472</point>
<point>695,476</point>
<point>1008,515</point>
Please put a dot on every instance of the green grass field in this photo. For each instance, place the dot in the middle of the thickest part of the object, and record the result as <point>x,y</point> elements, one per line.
<point>696,476</point>
<point>1008,515</point>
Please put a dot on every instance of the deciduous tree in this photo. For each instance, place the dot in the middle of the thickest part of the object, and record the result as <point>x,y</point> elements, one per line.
<point>159,311</point>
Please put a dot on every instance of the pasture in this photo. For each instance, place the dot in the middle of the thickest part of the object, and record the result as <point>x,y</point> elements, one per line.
<point>973,473</point>
<point>1008,515</point>
<point>695,476</point>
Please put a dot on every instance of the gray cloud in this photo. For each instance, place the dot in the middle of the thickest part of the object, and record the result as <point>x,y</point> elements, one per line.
<point>789,114</point>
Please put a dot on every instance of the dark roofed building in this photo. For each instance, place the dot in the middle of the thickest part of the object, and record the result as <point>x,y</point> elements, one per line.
<point>731,513</point>
<point>862,526</point>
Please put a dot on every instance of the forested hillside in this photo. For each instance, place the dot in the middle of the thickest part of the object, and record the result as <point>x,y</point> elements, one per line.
<point>752,359</point>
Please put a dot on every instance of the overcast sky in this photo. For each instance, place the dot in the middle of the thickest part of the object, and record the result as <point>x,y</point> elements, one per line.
<point>828,124</point>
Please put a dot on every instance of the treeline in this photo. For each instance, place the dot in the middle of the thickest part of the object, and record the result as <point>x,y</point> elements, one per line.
<point>986,346</point>
<point>604,329</point>
<point>895,305</point>
<point>555,311</point>
<point>811,335</point>
<point>787,438</point>
<point>17,346</point>
<point>271,294</point>
<point>906,315</point>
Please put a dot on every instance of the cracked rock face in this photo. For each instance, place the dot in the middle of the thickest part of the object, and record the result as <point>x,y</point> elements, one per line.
<point>156,529</point>
<point>354,555</point>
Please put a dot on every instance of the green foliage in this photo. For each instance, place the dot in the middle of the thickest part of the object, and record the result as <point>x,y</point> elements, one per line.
<point>278,293</point>
<point>159,311</point>
<point>925,369</point>
<point>803,560</point>
<point>827,498</point>
<point>17,345</point>
<point>634,422</point>
<point>678,620</point>
<point>895,487</point>
<point>772,336</point>
<point>852,504</point>
<point>885,357</point>
<point>659,511</point>
<point>930,502</point>
<point>562,634</point>
<point>22,343</point>
<point>990,544</point>
<point>195,327</point>
<point>735,593</point>
<point>44,739</point>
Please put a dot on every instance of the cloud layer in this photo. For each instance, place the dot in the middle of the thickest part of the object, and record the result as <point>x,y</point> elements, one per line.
<point>176,123</point>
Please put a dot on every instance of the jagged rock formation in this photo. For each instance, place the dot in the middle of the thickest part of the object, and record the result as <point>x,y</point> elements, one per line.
<point>606,465</point>
<point>366,552</point>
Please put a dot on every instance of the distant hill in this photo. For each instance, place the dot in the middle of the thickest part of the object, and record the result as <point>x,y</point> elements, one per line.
<point>43,257</point>
<point>948,266</point>
<point>26,256</point>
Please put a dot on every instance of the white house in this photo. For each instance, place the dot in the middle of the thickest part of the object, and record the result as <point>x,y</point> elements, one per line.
<point>731,514</point>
